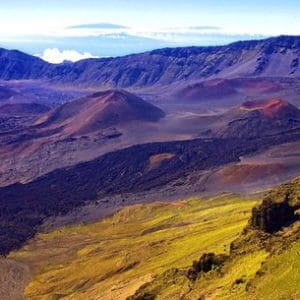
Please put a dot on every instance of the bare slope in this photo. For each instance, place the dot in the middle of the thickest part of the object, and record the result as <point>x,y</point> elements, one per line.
<point>99,111</point>
<point>260,118</point>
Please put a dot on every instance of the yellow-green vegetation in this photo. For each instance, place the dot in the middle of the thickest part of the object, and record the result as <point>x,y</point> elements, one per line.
<point>280,277</point>
<point>231,282</point>
<point>266,269</point>
<point>112,258</point>
<point>262,264</point>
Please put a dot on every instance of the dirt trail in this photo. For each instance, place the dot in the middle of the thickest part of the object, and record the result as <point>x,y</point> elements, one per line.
<point>14,277</point>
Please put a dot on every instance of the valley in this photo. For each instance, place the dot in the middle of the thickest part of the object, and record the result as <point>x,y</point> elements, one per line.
<point>223,247</point>
<point>153,175</point>
<point>165,235</point>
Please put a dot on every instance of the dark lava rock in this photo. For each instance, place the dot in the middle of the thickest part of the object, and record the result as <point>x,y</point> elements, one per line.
<point>270,216</point>
<point>278,209</point>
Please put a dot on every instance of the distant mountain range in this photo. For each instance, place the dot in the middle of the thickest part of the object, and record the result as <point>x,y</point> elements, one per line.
<point>273,57</point>
<point>121,42</point>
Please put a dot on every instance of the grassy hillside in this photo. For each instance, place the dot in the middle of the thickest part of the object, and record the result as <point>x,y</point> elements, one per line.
<point>111,259</point>
<point>195,249</point>
<point>263,262</point>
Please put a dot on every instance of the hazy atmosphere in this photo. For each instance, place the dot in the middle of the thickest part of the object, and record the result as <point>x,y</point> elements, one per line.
<point>72,30</point>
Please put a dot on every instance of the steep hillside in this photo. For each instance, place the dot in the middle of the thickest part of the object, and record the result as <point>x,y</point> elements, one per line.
<point>272,57</point>
<point>99,111</point>
<point>189,249</point>
<point>278,209</point>
<point>262,263</point>
<point>104,254</point>
<point>18,65</point>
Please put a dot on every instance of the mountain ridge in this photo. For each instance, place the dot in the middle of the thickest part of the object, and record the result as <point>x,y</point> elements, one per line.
<point>276,56</point>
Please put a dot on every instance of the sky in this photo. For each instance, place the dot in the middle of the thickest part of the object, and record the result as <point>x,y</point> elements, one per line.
<point>60,30</point>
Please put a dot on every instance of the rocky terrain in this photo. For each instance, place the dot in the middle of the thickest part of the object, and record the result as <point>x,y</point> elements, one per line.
<point>19,116</point>
<point>85,128</point>
<point>278,209</point>
<point>249,129</point>
<point>221,94</point>
<point>124,171</point>
<point>34,143</point>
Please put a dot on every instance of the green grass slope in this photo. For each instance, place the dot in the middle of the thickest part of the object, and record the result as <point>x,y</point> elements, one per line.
<point>112,258</point>
<point>263,262</point>
<point>196,249</point>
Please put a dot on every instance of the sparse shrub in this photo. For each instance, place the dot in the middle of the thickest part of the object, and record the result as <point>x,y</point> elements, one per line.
<point>206,263</point>
<point>239,281</point>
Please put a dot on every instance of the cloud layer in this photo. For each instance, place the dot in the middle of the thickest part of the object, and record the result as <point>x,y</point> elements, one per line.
<point>107,40</point>
<point>55,56</point>
<point>97,26</point>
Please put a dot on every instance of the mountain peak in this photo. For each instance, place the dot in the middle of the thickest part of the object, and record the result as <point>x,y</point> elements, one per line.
<point>112,95</point>
<point>101,110</point>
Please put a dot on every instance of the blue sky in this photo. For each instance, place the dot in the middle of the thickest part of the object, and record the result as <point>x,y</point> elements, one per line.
<point>124,26</point>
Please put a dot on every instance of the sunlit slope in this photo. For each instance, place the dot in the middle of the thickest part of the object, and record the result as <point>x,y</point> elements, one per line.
<point>258,273</point>
<point>111,259</point>
<point>263,263</point>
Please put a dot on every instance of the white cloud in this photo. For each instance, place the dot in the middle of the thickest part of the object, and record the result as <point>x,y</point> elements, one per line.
<point>55,56</point>
<point>97,26</point>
